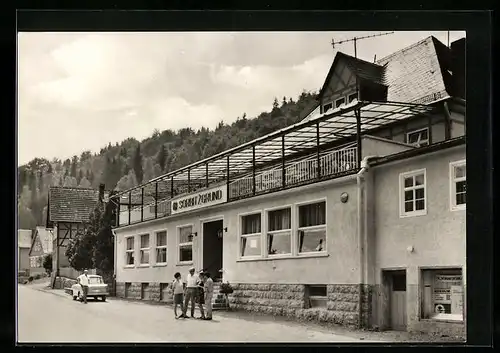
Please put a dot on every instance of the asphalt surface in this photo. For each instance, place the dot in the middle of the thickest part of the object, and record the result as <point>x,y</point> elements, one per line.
<point>52,316</point>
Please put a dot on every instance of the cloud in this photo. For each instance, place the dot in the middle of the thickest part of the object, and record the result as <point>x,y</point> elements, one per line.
<point>79,91</point>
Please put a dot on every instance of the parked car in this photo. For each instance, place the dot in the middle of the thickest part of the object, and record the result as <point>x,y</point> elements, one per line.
<point>97,289</point>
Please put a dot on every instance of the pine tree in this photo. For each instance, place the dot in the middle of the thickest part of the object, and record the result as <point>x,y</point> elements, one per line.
<point>137,164</point>
<point>49,169</point>
<point>162,157</point>
<point>74,165</point>
<point>284,101</point>
<point>275,103</point>
<point>79,177</point>
<point>103,255</point>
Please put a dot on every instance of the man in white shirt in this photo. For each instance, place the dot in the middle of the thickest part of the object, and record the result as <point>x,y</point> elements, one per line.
<point>191,292</point>
<point>83,280</point>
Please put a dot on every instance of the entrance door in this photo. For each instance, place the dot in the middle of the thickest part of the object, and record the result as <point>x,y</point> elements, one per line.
<point>398,300</point>
<point>212,248</point>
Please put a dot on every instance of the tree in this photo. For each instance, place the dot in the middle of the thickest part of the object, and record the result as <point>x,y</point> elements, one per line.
<point>157,170</point>
<point>49,169</point>
<point>47,263</point>
<point>162,157</point>
<point>84,183</point>
<point>275,103</point>
<point>103,255</point>
<point>79,177</point>
<point>74,166</point>
<point>148,170</point>
<point>284,101</point>
<point>70,181</point>
<point>137,164</point>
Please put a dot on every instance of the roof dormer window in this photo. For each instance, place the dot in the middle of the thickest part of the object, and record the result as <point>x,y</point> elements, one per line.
<point>327,107</point>
<point>339,102</point>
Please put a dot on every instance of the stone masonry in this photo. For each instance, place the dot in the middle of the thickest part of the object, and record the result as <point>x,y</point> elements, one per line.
<point>155,293</point>
<point>290,300</point>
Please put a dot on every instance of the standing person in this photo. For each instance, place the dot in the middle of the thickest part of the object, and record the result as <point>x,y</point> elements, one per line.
<point>178,289</point>
<point>83,280</point>
<point>200,297</point>
<point>191,291</point>
<point>209,291</point>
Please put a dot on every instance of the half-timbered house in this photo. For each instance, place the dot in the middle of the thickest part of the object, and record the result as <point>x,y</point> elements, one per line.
<point>69,209</point>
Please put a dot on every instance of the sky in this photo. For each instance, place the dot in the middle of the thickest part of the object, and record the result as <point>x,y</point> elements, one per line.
<point>79,91</point>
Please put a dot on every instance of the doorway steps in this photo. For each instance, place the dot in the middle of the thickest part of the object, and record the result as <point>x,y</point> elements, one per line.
<point>219,300</point>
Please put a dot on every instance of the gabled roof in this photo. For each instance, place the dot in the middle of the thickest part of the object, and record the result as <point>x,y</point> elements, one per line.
<point>24,238</point>
<point>45,236</point>
<point>364,70</point>
<point>71,204</point>
<point>415,74</point>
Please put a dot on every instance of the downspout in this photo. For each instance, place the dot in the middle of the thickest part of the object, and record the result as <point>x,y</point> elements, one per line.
<point>360,229</point>
<point>114,261</point>
<point>447,116</point>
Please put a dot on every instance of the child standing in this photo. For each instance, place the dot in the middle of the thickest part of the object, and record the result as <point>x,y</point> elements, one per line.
<point>178,289</point>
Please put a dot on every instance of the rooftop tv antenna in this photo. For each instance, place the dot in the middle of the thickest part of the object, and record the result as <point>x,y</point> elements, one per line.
<point>355,39</point>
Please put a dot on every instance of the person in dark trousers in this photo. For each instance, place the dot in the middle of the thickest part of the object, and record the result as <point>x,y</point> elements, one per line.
<point>83,280</point>
<point>200,296</point>
<point>209,292</point>
<point>191,291</point>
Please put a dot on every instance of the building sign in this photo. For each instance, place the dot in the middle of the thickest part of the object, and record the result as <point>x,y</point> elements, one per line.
<point>204,198</point>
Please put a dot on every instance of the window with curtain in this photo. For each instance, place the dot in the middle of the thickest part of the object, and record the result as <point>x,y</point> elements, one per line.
<point>251,234</point>
<point>279,232</point>
<point>312,227</point>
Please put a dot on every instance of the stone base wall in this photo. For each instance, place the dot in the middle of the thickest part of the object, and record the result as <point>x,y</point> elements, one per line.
<point>342,305</point>
<point>135,288</point>
<point>63,282</point>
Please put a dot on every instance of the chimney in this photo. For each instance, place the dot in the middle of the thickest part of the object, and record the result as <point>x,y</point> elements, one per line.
<point>101,192</point>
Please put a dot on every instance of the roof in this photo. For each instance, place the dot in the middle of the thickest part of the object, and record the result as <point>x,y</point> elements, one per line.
<point>24,238</point>
<point>415,74</point>
<point>71,204</point>
<point>435,147</point>
<point>336,125</point>
<point>46,237</point>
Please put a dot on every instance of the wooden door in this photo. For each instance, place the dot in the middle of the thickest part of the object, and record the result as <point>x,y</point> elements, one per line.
<point>398,302</point>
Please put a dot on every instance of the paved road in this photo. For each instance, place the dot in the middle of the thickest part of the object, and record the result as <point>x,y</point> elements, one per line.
<point>54,317</point>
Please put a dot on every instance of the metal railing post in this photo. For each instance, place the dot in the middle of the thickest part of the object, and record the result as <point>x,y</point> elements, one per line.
<point>227,184</point>
<point>253,170</point>
<point>283,171</point>
<point>142,204</point>
<point>156,200</point>
<point>318,168</point>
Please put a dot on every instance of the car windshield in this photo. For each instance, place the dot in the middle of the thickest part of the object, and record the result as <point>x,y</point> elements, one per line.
<point>95,280</point>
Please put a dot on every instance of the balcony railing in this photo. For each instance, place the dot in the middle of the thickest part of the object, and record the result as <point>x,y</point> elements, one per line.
<point>301,172</point>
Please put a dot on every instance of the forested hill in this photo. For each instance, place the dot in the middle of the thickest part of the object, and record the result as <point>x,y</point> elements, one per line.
<point>131,162</point>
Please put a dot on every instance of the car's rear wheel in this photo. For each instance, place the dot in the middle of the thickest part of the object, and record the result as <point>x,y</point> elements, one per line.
<point>103,298</point>
<point>74,297</point>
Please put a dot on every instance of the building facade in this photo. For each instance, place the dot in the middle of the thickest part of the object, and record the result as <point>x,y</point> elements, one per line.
<point>319,220</point>
<point>23,249</point>
<point>41,246</point>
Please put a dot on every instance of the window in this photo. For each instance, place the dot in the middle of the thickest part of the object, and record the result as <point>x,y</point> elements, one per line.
<point>161,247</point>
<point>458,192</point>
<point>412,193</point>
<point>186,244</point>
<point>145,291</point>
<point>442,294</point>
<point>144,251</point>
<point>251,235</point>
<point>316,296</point>
<point>279,232</point>
<point>352,97</point>
<point>327,107</point>
<point>129,252</point>
<point>418,138</point>
<point>312,227</point>
<point>339,102</point>
<point>95,280</point>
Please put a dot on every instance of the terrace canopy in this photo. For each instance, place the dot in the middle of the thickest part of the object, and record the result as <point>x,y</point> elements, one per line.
<point>348,121</point>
